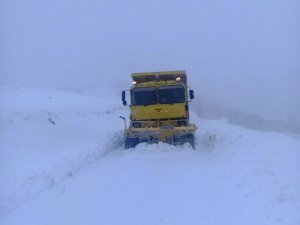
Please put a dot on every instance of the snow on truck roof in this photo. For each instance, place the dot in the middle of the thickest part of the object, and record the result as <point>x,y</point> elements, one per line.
<point>160,76</point>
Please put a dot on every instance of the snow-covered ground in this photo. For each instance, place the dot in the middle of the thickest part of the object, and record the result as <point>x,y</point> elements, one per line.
<point>61,162</point>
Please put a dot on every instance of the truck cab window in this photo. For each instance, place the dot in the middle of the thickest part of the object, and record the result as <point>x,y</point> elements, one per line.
<point>171,94</point>
<point>144,96</point>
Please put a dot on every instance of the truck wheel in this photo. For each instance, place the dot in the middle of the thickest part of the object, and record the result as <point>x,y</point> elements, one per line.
<point>191,140</point>
<point>131,142</point>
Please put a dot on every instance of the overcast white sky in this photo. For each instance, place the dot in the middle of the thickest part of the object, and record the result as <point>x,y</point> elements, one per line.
<point>243,54</point>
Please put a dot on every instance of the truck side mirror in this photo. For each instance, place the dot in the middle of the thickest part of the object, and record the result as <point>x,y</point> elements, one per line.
<point>191,93</point>
<point>124,98</point>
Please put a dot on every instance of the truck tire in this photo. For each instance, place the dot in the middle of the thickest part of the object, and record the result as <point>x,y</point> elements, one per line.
<point>191,140</point>
<point>187,138</point>
<point>131,142</point>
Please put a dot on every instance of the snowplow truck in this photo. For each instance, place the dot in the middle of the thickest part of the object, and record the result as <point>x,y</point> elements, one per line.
<point>159,109</point>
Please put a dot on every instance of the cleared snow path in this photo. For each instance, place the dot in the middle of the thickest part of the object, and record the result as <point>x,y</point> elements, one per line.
<point>61,164</point>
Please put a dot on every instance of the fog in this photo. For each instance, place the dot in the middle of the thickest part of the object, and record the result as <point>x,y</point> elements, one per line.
<point>243,55</point>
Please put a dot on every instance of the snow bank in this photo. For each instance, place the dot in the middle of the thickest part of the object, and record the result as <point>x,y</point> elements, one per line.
<point>61,160</point>
<point>48,135</point>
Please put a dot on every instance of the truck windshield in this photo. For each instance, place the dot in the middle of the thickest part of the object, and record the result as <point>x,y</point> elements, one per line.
<point>144,96</point>
<point>171,94</point>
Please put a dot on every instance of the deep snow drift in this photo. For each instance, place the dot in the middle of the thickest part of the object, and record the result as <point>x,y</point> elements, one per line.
<point>62,162</point>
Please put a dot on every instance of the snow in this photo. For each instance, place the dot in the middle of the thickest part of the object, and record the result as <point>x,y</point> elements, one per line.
<point>61,162</point>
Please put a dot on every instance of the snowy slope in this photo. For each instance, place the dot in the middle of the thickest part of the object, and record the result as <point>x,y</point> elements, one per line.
<point>61,163</point>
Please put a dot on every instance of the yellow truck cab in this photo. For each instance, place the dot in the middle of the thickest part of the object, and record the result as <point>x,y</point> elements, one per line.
<point>159,109</point>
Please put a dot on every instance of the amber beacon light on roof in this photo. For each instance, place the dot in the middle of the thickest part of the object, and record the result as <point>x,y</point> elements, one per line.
<point>159,109</point>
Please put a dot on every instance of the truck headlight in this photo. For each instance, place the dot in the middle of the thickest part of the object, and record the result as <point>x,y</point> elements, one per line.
<point>181,123</point>
<point>136,124</point>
